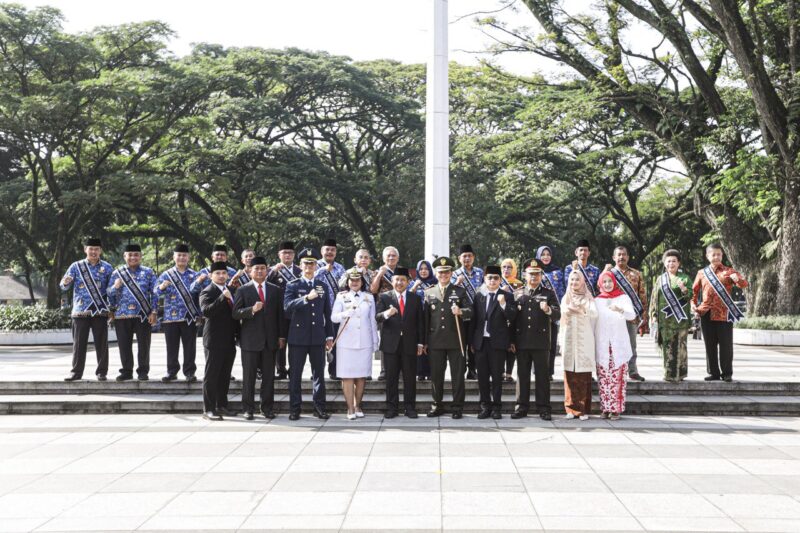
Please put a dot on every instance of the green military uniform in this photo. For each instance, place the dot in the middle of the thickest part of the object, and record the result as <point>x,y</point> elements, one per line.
<point>672,330</point>
<point>442,338</point>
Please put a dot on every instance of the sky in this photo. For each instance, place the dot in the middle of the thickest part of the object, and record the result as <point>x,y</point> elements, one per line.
<point>360,29</point>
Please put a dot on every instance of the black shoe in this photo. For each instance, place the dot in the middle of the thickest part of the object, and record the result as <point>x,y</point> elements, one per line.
<point>411,413</point>
<point>248,415</point>
<point>143,378</point>
<point>390,414</point>
<point>382,376</point>
<point>224,411</point>
<point>516,415</point>
<point>456,415</point>
<point>711,378</point>
<point>211,415</point>
<point>435,412</point>
<point>101,377</point>
<point>169,378</point>
<point>727,379</point>
<point>294,415</point>
<point>269,415</point>
<point>321,414</point>
<point>369,378</point>
<point>191,378</point>
<point>472,375</point>
<point>72,377</point>
<point>485,413</point>
<point>497,415</point>
<point>122,377</point>
<point>544,415</point>
<point>636,377</point>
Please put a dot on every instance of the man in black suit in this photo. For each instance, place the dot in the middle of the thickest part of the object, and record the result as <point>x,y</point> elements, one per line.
<point>259,305</point>
<point>491,340</point>
<point>402,340</point>
<point>538,309</point>
<point>219,340</point>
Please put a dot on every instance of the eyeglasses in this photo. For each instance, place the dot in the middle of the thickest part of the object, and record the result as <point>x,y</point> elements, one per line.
<point>492,277</point>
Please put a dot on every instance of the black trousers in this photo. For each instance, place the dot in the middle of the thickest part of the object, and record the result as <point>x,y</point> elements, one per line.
<point>251,361</point>
<point>297,361</point>
<point>332,364</point>
<point>490,363</point>
<point>217,378</point>
<point>553,347</point>
<point>439,360</point>
<point>81,326</point>
<point>175,334</point>
<point>540,360</point>
<point>126,328</point>
<point>718,338</point>
<point>406,363</point>
<point>510,358</point>
<point>280,360</point>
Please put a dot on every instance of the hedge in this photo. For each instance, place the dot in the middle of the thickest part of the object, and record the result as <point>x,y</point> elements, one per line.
<point>32,318</point>
<point>775,322</point>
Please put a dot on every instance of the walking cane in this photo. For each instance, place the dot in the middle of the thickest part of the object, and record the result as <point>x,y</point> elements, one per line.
<point>460,341</point>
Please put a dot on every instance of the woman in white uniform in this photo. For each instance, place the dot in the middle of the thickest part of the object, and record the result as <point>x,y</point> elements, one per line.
<point>354,311</point>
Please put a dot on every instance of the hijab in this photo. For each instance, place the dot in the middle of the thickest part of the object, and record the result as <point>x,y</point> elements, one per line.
<point>580,297</point>
<point>512,279</point>
<point>615,290</point>
<point>552,265</point>
<point>431,279</point>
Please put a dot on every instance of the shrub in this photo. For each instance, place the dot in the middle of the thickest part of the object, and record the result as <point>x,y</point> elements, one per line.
<point>31,318</point>
<point>775,322</point>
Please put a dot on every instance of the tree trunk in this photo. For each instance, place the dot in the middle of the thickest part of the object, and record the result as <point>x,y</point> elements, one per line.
<point>787,301</point>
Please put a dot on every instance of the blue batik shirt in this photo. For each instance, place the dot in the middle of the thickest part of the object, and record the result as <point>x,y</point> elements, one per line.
<point>592,272</point>
<point>174,308</point>
<point>124,302</point>
<point>81,300</point>
<point>322,274</point>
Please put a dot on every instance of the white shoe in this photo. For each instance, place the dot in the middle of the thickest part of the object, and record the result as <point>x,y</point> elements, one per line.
<point>351,416</point>
<point>359,413</point>
<point>584,417</point>
<point>569,416</point>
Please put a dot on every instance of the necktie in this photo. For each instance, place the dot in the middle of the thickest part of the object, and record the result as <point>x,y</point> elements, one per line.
<point>489,303</point>
<point>402,305</point>
<point>261,292</point>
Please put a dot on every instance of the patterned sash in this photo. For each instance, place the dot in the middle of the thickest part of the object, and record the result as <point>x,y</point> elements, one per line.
<point>388,275</point>
<point>505,284</point>
<point>329,279</point>
<point>468,285</point>
<point>628,289</point>
<point>244,279</point>
<point>587,280</point>
<point>287,273</point>
<point>98,302</point>
<point>177,282</point>
<point>734,314</point>
<point>547,283</point>
<point>144,305</point>
<point>673,308</point>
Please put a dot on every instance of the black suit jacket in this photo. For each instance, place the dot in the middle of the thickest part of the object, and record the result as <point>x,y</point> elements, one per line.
<point>532,326</point>
<point>499,320</point>
<point>221,329</point>
<point>263,329</point>
<point>411,326</point>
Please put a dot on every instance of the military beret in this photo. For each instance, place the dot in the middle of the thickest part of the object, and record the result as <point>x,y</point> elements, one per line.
<point>493,269</point>
<point>443,264</point>
<point>220,248</point>
<point>329,242</point>
<point>286,245</point>
<point>218,265</point>
<point>401,271</point>
<point>181,248</point>
<point>258,260</point>
<point>308,255</point>
<point>466,249</point>
<point>93,241</point>
<point>583,243</point>
<point>133,248</point>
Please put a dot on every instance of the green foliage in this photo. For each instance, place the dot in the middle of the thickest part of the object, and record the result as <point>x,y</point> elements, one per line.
<point>772,322</point>
<point>32,318</point>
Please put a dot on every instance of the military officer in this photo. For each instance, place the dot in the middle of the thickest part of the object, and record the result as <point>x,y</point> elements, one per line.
<point>307,304</point>
<point>538,309</point>
<point>446,309</point>
<point>179,322</point>
<point>281,274</point>
<point>131,293</point>
<point>329,272</point>
<point>88,279</point>
<point>470,278</point>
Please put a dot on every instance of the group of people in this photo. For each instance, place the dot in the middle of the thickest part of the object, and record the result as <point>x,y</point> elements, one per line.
<point>479,322</point>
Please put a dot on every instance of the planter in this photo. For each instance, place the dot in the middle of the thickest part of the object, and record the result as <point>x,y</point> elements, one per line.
<point>766,337</point>
<point>44,337</point>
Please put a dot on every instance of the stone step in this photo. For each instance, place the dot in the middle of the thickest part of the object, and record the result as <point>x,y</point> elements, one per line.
<point>706,405</point>
<point>180,387</point>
